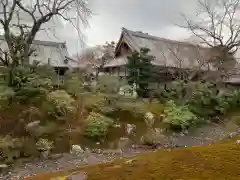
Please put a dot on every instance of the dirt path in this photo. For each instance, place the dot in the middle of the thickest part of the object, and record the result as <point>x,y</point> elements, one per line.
<point>198,137</point>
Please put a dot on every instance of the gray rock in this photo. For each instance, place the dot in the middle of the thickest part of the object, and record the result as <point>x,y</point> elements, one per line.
<point>3,166</point>
<point>55,156</point>
<point>232,134</point>
<point>79,176</point>
<point>32,126</point>
<point>76,150</point>
<point>238,142</point>
<point>131,129</point>
<point>182,134</point>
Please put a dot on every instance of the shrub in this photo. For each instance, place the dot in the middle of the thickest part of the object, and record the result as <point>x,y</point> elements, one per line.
<point>6,93</point>
<point>174,91</point>
<point>43,130</point>
<point>31,84</point>
<point>93,101</point>
<point>73,83</point>
<point>178,116</point>
<point>10,148</point>
<point>128,90</point>
<point>108,84</point>
<point>208,101</point>
<point>60,103</point>
<point>44,145</point>
<point>97,126</point>
<point>152,138</point>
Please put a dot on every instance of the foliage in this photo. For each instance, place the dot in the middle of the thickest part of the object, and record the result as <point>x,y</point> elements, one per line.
<point>93,101</point>
<point>108,84</point>
<point>73,83</point>
<point>178,116</point>
<point>128,90</point>
<point>61,102</point>
<point>97,126</point>
<point>45,129</point>
<point>10,148</point>
<point>141,71</point>
<point>32,83</point>
<point>44,145</point>
<point>151,138</point>
<point>206,100</point>
<point>173,91</point>
<point>210,101</point>
<point>6,93</point>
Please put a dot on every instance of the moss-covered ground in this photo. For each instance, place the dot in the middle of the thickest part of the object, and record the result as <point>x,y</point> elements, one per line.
<point>220,161</point>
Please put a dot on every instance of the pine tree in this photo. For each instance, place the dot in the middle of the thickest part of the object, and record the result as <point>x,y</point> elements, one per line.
<point>141,71</point>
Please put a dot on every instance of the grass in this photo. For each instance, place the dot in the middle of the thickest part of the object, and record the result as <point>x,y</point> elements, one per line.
<point>214,162</point>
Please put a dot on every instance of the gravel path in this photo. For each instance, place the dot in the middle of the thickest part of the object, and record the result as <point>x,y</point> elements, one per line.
<point>201,136</point>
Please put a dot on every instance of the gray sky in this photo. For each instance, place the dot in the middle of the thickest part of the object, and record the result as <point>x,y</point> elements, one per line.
<point>156,17</point>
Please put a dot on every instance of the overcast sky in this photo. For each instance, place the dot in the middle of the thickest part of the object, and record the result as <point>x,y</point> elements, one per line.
<point>156,17</point>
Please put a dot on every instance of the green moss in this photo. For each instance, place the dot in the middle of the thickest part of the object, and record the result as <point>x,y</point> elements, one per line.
<point>219,161</point>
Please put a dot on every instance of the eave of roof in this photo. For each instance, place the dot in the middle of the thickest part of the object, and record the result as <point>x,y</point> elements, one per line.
<point>41,42</point>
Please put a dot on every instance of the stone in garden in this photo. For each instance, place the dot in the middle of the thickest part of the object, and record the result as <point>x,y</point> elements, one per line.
<point>130,161</point>
<point>76,150</point>
<point>3,166</point>
<point>232,135</point>
<point>79,176</point>
<point>238,142</point>
<point>55,156</point>
<point>31,127</point>
<point>130,129</point>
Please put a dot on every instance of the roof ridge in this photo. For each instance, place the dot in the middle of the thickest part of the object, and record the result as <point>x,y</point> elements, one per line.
<point>156,38</point>
<point>39,42</point>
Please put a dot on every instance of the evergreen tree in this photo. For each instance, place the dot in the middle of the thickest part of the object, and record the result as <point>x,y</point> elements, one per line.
<point>141,71</point>
<point>133,68</point>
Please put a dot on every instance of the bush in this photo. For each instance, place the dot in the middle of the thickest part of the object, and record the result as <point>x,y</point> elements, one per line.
<point>10,149</point>
<point>33,83</point>
<point>97,126</point>
<point>174,91</point>
<point>60,103</point>
<point>108,84</point>
<point>73,83</point>
<point>178,116</point>
<point>44,145</point>
<point>93,101</point>
<point>208,101</point>
<point>6,93</point>
<point>152,138</point>
<point>139,108</point>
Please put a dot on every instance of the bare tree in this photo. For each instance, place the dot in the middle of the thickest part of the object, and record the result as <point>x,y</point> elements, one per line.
<point>217,25</point>
<point>184,60</point>
<point>96,57</point>
<point>40,12</point>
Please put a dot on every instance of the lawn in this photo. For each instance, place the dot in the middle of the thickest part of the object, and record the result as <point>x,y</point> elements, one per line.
<point>214,162</point>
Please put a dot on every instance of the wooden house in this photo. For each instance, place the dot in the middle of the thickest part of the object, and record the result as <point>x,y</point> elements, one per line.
<point>172,59</point>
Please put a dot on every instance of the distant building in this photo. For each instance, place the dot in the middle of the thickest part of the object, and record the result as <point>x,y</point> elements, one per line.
<point>172,58</point>
<point>50,53</point>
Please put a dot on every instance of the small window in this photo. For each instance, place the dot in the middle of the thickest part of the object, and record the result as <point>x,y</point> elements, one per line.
<point>65,61</point>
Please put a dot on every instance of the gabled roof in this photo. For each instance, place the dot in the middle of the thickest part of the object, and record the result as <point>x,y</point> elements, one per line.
<point>44,43</point>
<point>167,52</point>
